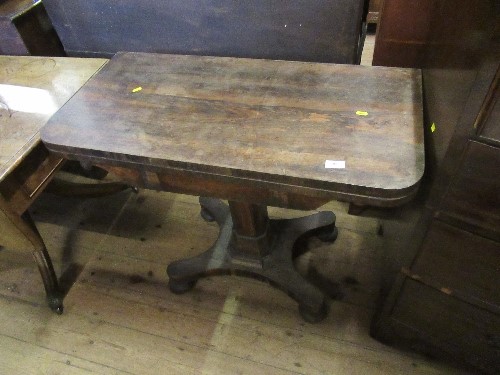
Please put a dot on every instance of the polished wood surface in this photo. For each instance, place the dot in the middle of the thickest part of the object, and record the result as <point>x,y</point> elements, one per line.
<point>270,122</point>
<point>31,90</point>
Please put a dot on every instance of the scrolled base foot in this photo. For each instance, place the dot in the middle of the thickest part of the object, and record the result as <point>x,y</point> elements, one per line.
<point>181,287</point>
<point>313,316</point>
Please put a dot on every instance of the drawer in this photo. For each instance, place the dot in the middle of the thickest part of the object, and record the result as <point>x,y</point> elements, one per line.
<point>474,194</point>
<point>460,261</point>
<point>36,169</point>
<point>27,180</point>
<point>466,332</point>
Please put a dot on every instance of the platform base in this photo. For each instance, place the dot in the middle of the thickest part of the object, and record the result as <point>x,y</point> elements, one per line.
<point>275,266</point>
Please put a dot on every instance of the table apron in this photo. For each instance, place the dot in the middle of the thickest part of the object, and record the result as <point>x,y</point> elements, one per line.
<point>242,189</point>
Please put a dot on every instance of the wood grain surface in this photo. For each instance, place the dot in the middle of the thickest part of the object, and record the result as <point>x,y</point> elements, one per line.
<point>31,90</point>
<point>255,120</point>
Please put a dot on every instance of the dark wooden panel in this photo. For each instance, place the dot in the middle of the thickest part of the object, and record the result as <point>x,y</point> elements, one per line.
<point>451,40</point>
<point>474,194</point>
<point>457,78</point>
<point>25,29</point>
<point>200,184</point>
<point>454,305</point>
<point>433,33</point>
<point>402,33</point>
<point>314,30</point>
<point>11,42</point>
<point>461,262</point>
<point>469,334</point>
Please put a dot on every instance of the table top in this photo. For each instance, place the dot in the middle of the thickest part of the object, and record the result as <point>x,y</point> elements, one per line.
<point>31,90</point>
<point>341,128</point>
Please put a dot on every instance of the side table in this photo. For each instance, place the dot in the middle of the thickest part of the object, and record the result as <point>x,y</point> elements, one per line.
<point>31,90</point>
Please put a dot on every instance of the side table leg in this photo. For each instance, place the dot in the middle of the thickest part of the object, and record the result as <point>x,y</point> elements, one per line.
<point>54,296</point>
<point>44,263</point>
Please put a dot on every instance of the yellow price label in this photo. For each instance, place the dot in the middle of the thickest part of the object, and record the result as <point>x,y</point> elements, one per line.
<point>362,113</point>
<point>137,89</point>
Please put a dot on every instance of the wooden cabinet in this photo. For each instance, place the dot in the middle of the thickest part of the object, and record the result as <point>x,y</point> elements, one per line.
<point>406,29</point>
<point>459,262</point>
<point>463,330</point>
<point>446,298</point>
<point>473,195</point>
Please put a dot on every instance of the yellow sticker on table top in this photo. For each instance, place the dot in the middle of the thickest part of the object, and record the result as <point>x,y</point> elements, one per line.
<point>137,89</point>
<point>433,127</point>
<point>362,113</point>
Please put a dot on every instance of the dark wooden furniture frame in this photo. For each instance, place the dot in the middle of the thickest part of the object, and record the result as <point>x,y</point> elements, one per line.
<point>314,30</point>
<point>254,132</point>
<point>445,298</point>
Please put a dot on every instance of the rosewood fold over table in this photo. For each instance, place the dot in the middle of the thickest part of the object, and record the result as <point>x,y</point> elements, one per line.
<point>257,133</point>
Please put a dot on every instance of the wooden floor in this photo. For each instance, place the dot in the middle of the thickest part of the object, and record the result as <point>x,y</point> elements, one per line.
<point>120,317</point>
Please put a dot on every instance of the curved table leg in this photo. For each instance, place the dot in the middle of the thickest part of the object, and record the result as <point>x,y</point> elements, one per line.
<point>54,296</point>
<point>274,263</point>
<point>44,263</point>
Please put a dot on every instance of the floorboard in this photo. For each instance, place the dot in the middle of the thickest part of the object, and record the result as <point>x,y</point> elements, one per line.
<point>120,317</point>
